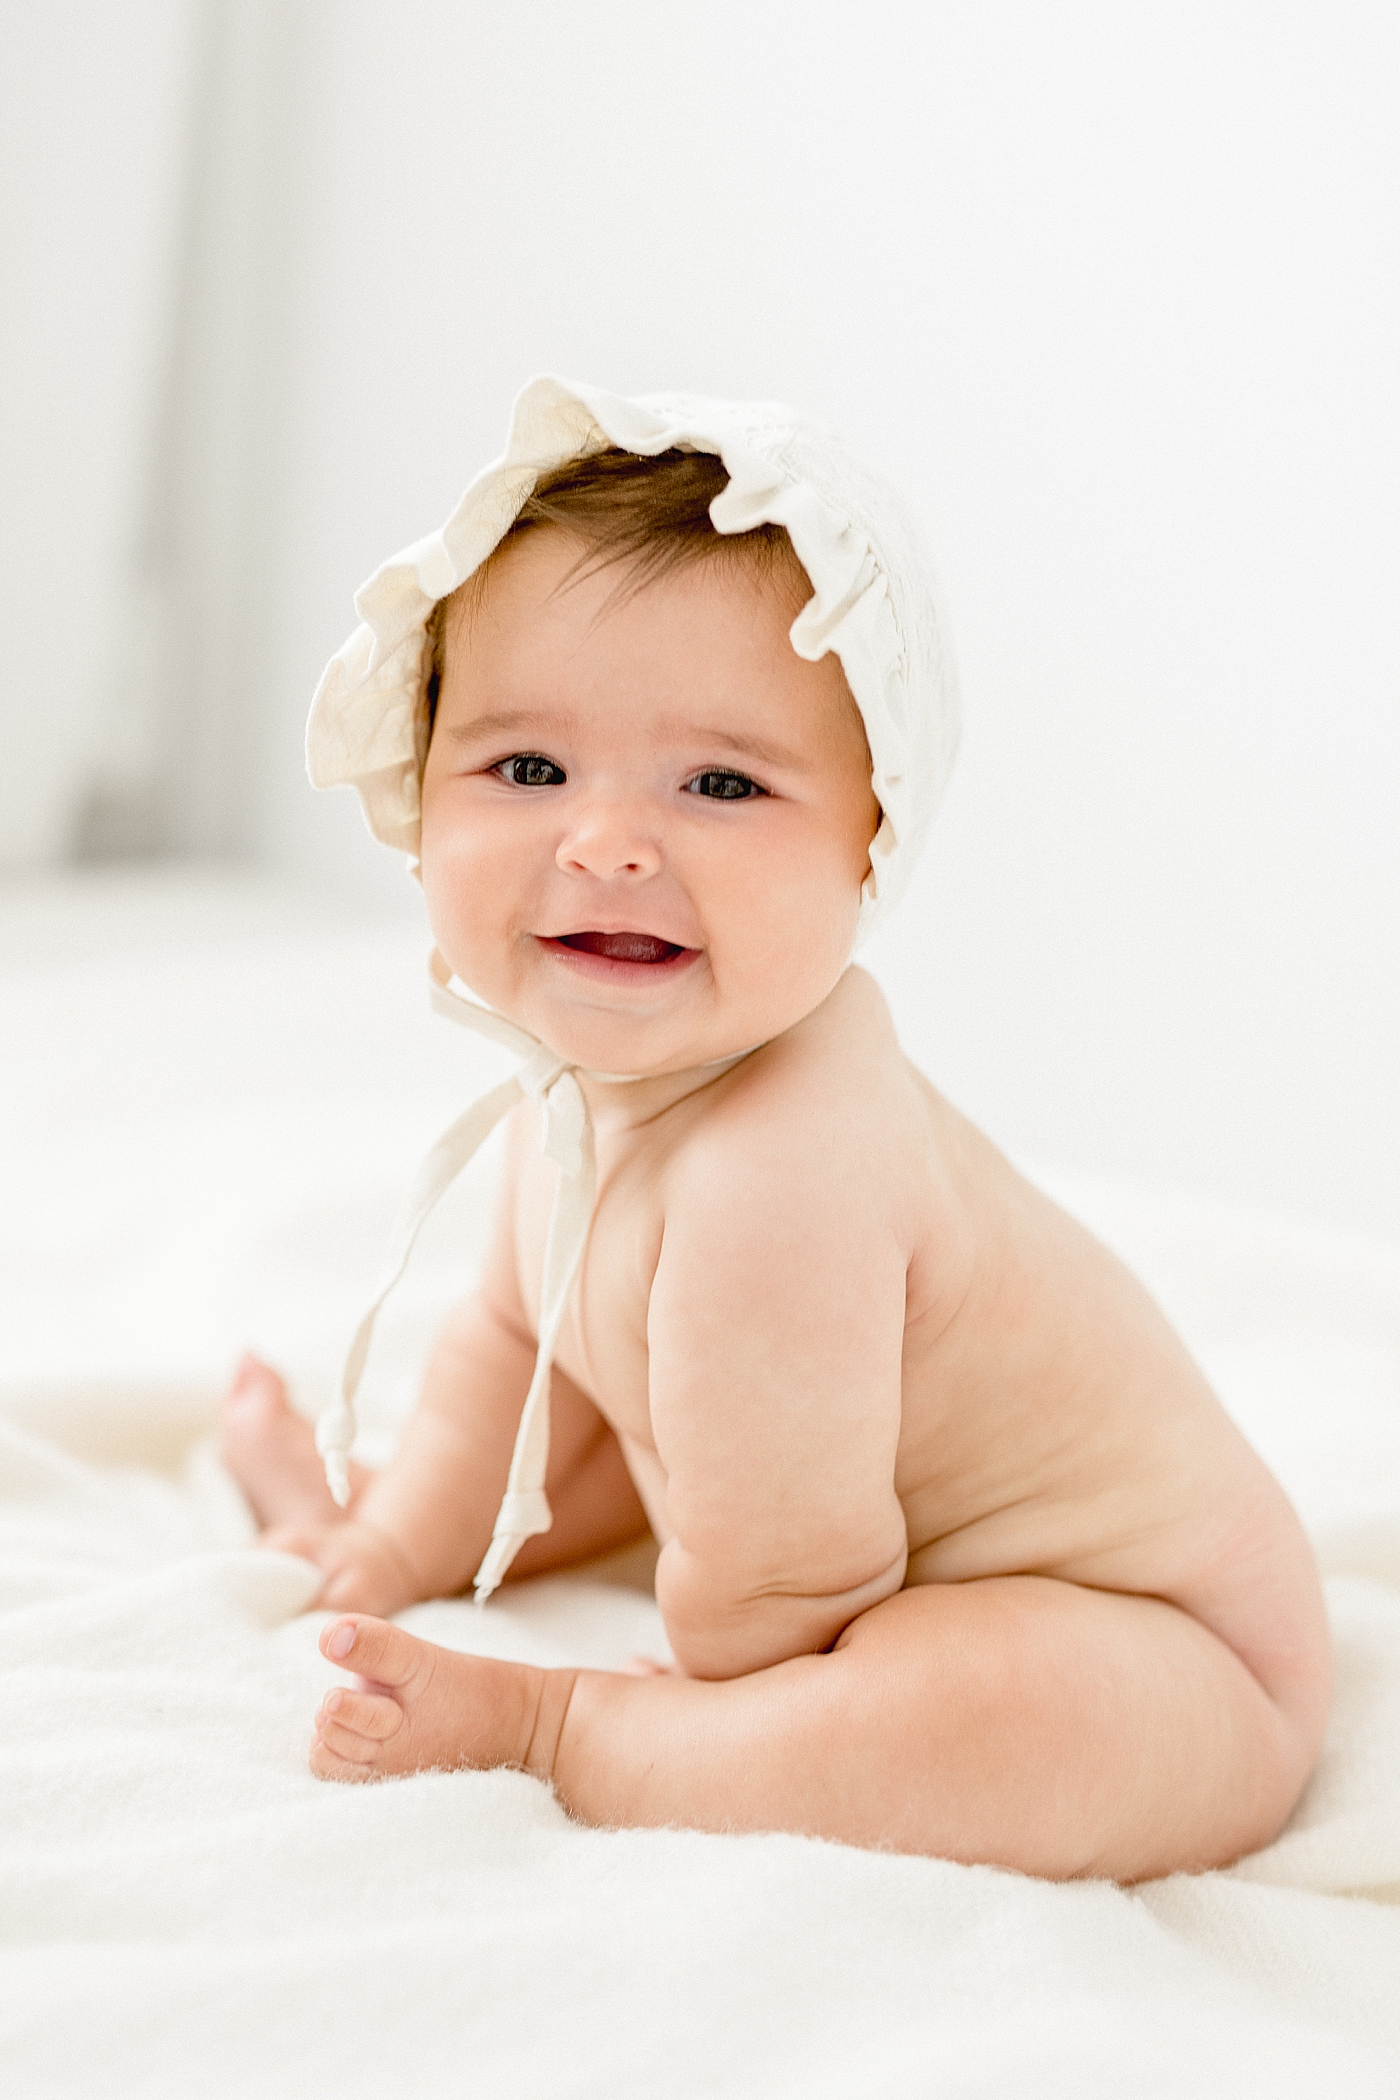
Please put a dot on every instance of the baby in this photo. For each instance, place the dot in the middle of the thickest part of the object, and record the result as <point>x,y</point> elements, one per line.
<point>959,1553</point>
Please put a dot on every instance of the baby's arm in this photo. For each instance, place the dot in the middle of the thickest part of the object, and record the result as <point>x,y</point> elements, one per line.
<point>434,1505</point>
<point>776,1329</point>
<point>420,1528</point>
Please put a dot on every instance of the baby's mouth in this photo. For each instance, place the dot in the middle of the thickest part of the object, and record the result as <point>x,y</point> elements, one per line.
<point>622,947</point>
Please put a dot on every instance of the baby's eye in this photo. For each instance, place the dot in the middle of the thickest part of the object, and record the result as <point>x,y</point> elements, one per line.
<point>722,786</point>
<point>528,770</point>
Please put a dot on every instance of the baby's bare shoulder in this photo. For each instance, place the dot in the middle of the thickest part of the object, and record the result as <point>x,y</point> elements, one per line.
<point>830,1114</point>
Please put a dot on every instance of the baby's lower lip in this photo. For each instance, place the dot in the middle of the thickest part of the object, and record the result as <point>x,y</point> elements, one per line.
<point>619,954</point>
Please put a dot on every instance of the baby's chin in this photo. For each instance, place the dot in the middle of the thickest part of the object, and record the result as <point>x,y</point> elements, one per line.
<point>623,1022</point>
<point>634,1045</point>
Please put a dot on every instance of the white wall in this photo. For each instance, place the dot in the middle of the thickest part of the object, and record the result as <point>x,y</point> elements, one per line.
<point>94,122</point>
<point>1112,292</point>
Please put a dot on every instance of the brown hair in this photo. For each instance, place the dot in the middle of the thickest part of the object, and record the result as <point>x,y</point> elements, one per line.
<point>649,515</point>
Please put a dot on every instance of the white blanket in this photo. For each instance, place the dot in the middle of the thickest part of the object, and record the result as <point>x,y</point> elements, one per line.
<point>211,1100</point>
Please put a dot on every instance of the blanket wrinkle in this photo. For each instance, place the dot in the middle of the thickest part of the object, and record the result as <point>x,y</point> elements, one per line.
<point>31,1467</point>
<point>1345,1833</point>
<point>158,1808</point>
<point>151,1613</point>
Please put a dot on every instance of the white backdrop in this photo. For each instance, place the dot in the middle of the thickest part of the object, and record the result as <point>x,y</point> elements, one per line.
<point>1111,292</point>
<point>95,124</point>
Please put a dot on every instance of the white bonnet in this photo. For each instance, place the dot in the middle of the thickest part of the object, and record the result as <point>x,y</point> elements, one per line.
<point>874,602</point>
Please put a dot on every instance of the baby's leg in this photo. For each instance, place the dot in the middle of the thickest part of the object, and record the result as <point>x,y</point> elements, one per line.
<point>1016,1721</point>
<point>271,1452</point>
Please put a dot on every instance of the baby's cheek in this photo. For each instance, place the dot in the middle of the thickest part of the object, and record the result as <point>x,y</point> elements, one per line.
<point>464,880</point>
<point>796,926</point>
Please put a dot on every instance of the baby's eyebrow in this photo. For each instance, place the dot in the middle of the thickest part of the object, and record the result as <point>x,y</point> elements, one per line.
<point>502,722</point>
<point>755,747</point>
<point>520,721</point>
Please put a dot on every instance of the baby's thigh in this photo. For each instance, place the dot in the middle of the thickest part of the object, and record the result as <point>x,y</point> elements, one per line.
<point>1066,1730</point>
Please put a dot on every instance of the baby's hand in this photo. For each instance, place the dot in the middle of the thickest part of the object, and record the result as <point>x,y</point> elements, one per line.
<point>363,1569</point>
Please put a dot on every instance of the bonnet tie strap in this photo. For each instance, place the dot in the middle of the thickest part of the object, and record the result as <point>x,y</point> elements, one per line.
<point>568,1141</point>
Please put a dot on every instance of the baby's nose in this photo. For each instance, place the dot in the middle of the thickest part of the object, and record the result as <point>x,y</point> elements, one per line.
<point>608,839</point>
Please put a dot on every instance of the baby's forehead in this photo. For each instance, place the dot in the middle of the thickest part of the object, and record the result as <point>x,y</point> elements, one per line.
<point>679,653</point>
<point>552,565</point>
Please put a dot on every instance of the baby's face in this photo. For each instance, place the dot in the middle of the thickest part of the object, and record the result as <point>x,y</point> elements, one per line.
<point>646,820</point>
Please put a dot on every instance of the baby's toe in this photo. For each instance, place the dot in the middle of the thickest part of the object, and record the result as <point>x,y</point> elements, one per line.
<point>345,1744</point>
<point>328,1760</point>
<point>256,1385</point>
<point>368,1715</point>
<point>379,1651</point>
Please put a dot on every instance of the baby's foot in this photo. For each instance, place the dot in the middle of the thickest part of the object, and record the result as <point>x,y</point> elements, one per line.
<point>271,1451</point>
<point>364,1570</point>
<point>419,1708</point>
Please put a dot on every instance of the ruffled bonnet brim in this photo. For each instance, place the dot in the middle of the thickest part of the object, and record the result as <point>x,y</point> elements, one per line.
<point>874,602</point>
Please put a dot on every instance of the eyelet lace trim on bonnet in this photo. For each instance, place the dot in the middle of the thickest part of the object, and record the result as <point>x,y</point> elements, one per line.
<point>874,603</point>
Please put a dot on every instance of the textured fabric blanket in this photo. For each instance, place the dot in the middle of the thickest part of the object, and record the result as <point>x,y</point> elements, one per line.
<point>211,1100</point>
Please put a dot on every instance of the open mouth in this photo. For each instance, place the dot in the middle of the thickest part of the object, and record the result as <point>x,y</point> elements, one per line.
<point>627,947</point>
